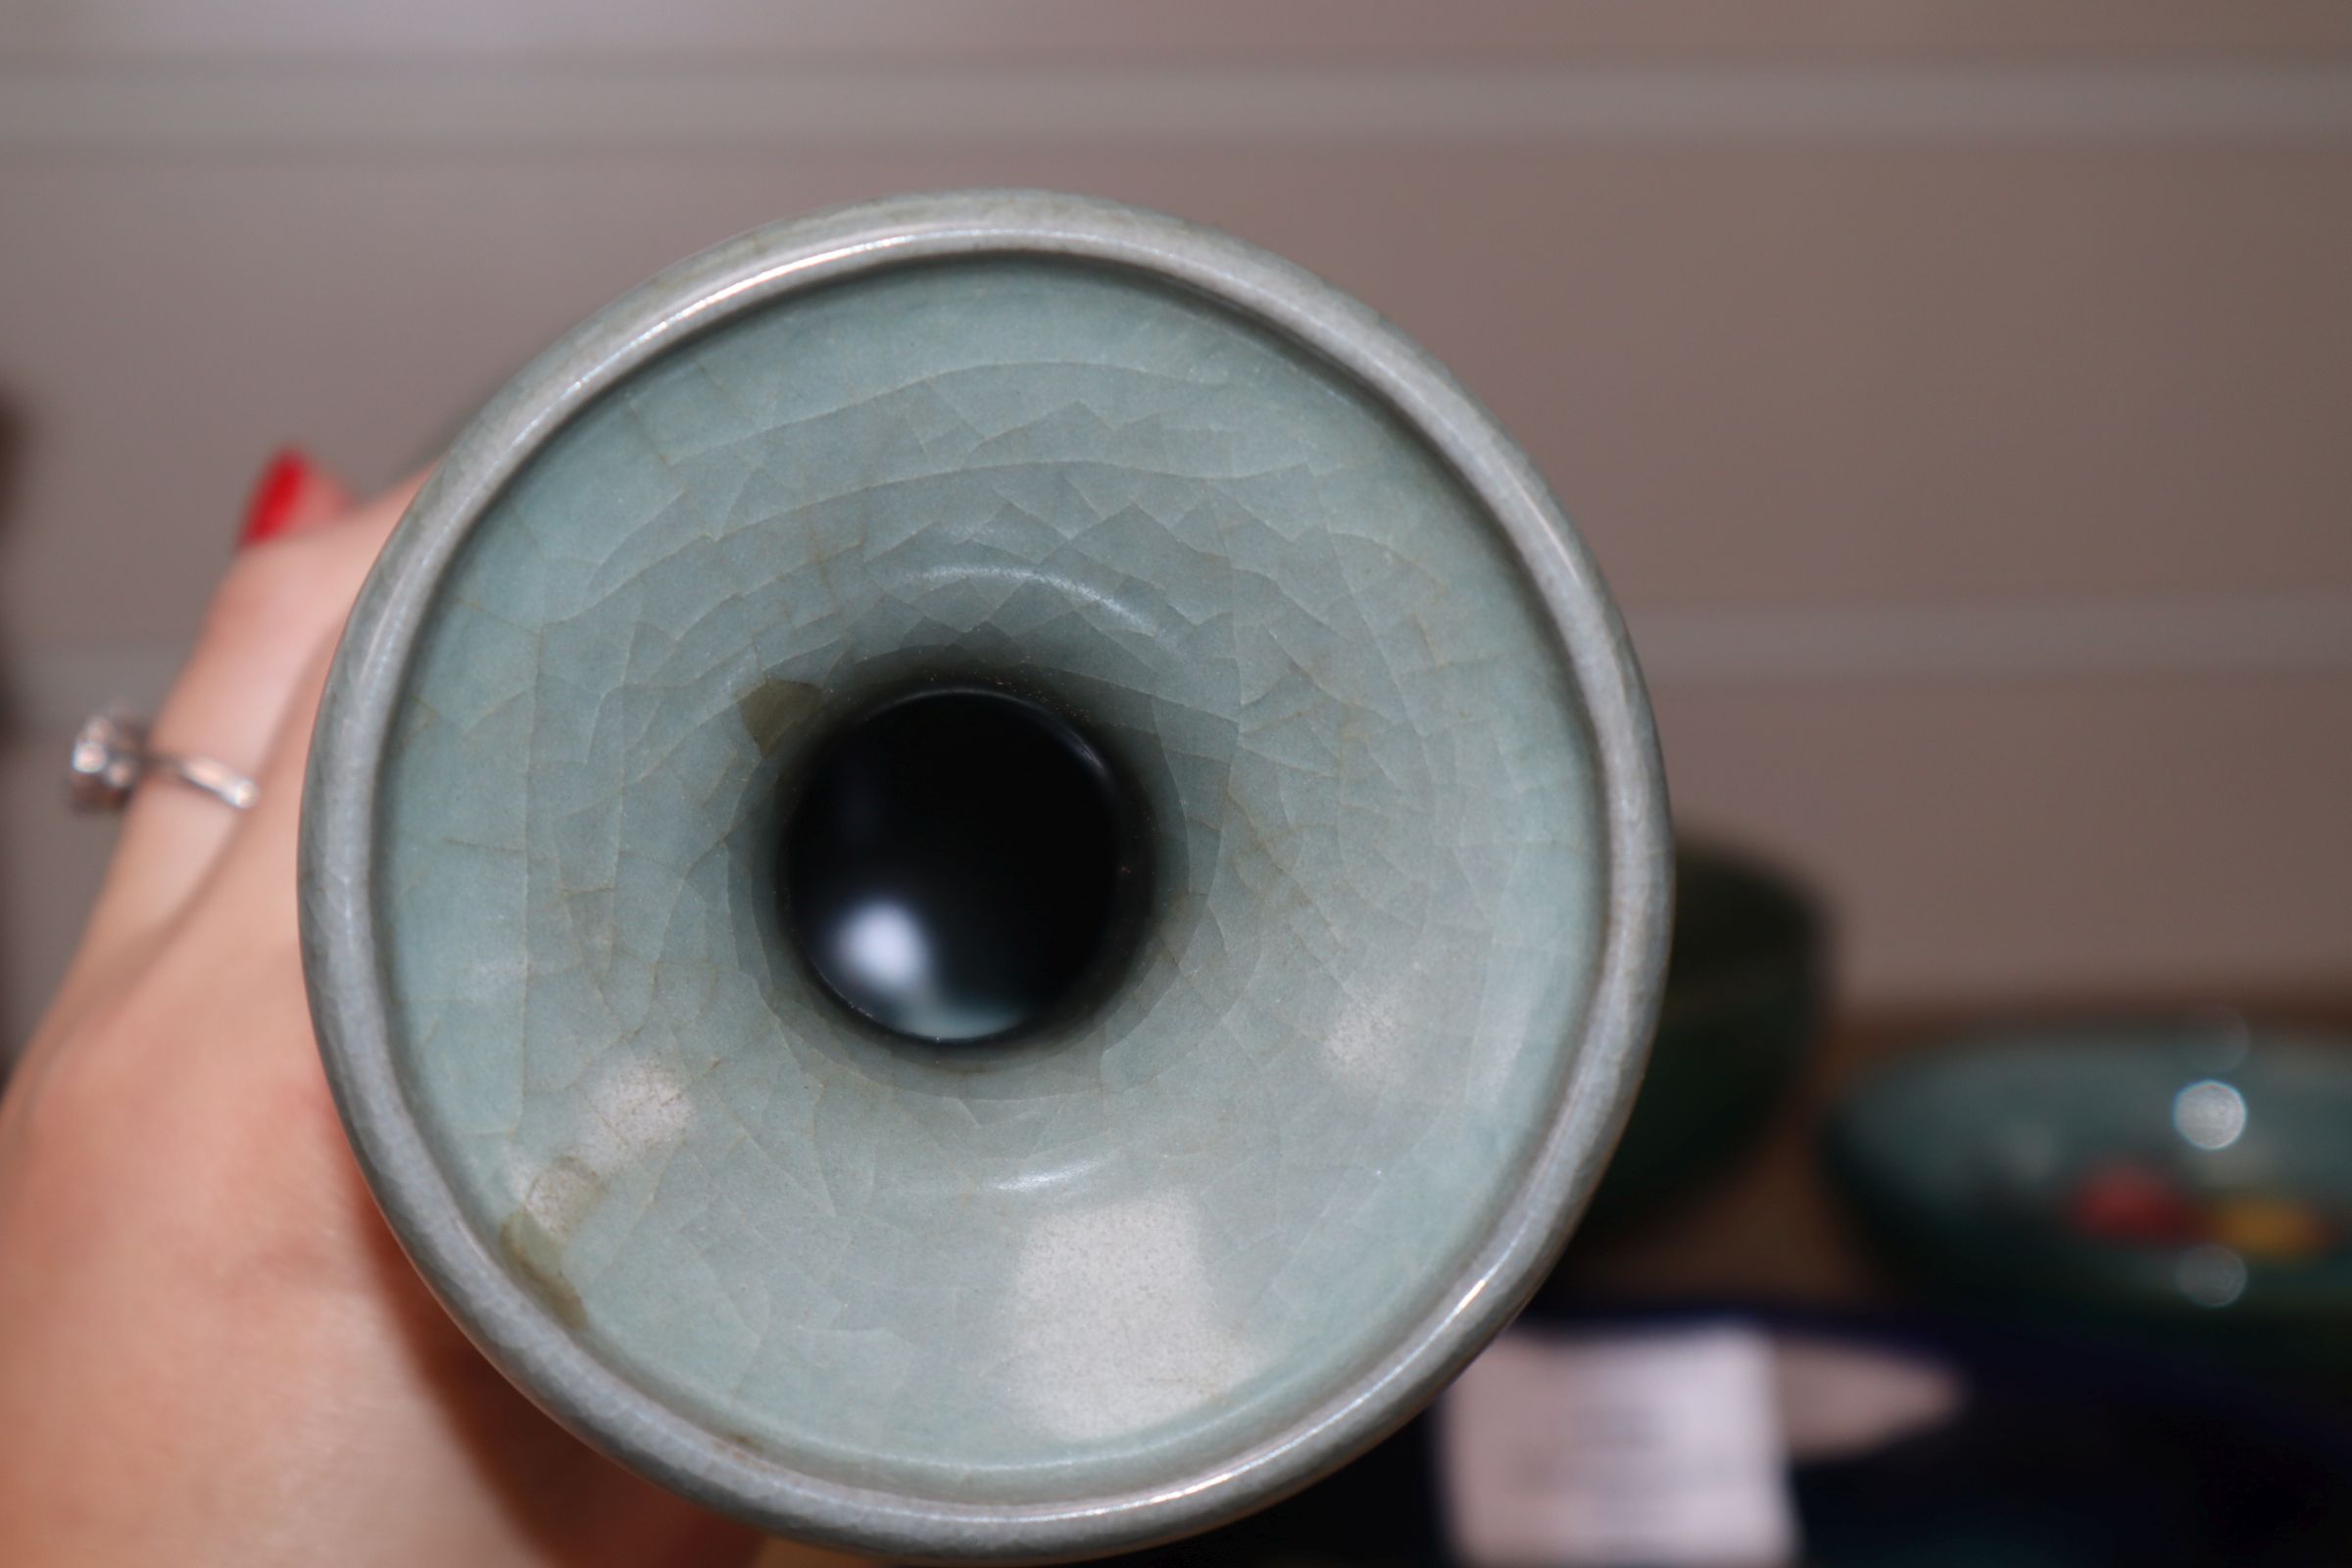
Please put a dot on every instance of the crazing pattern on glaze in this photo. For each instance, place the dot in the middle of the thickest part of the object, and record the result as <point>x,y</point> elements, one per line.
<point>1102,1260</point>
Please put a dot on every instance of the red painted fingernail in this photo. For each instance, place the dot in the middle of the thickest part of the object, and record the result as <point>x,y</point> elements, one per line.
<point>276,498</point>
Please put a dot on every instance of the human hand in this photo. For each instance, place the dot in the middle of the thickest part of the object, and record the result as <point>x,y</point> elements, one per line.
<point>210,1348</point>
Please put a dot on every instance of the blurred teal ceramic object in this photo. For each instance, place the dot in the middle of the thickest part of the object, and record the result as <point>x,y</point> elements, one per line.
<point>1098,1284</point>
<point>2188,1184</point>
<point>1744,990</point>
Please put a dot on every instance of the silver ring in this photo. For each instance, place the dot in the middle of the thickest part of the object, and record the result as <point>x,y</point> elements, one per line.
<point>110,758</point>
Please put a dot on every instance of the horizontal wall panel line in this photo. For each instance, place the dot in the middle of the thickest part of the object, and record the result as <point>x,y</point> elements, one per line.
<point>182,112</point>
<point>50,690</point>
<point>2272,634</point>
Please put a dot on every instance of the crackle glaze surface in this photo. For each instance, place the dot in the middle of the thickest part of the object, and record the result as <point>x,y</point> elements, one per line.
<point>1088,1263</point>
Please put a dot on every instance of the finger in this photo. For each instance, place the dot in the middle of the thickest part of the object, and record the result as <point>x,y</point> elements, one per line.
<point>279,602</point>
<point>250,891</point>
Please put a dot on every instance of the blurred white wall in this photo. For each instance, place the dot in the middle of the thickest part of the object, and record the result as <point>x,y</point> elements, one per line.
<point>1958,395</point>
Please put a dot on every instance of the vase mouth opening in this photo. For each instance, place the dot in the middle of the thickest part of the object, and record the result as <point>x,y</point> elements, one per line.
<point>962,864</point>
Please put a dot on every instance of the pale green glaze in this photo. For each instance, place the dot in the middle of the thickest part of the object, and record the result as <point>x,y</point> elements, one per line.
<point>1085,1265</point>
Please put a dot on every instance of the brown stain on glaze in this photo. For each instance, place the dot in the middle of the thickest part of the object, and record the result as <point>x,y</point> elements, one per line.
<point>772,710</point>
<point>743,1441</point>
<point>564,1194</point>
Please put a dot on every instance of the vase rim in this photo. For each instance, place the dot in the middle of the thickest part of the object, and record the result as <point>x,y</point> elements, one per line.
<point>348,989</point>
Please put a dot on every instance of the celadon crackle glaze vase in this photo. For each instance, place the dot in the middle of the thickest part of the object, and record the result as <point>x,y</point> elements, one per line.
<point>1311,1135</point>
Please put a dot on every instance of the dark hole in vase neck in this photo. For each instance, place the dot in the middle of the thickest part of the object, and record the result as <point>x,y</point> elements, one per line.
<point>959,864</point>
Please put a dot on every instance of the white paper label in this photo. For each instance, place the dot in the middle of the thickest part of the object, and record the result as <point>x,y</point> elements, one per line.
<point>1660,1447</point>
